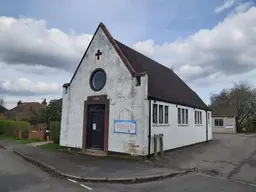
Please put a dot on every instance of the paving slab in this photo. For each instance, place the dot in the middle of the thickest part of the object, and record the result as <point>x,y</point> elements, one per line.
<point>88,166</point>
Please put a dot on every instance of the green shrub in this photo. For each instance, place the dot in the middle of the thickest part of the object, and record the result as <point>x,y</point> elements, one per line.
<point>251,125</point>
<point>10,128</point>
<point>55,131</point>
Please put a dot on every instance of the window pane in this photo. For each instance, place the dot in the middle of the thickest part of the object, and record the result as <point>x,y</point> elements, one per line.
<point>154,113</point>
<point>166,114</point>
<point>200,117</point>
<point>161,114</point>
<point>179,116</point>
<point>183,116</point>
<point>221,122</point>
<point>186,116</point>
<point>195,117</point>
<point>98,79</point>
<point>216,122</point>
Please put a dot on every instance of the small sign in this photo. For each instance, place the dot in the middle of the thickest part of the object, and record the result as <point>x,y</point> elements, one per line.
<point>229,126</point>
<point>94,126</point>
<point>125,126</point>
<point>96,98</point>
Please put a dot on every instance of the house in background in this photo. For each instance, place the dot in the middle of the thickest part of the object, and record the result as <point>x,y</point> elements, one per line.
<point>223,121</point>
<point>3,112</point>
<point>26,111</point>
<point>118,99</point>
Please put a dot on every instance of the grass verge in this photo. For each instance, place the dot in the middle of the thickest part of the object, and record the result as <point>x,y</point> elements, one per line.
<point>26,141</point>
<point>21,141</point>
<point>51,146</point>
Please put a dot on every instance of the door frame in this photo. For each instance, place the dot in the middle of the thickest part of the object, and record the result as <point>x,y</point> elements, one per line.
<point>97,99</point>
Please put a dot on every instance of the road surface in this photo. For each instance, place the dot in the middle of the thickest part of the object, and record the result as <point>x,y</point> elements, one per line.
<point>17,175</point>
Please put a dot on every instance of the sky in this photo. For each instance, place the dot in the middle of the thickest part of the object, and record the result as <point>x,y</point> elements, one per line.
<point>210,44</point>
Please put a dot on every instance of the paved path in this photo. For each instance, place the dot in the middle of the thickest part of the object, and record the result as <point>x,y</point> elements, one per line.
<point>17,175</point>
<point>88,166</point>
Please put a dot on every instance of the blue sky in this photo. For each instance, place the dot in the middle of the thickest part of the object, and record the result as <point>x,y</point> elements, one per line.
<point>200,39</point>
<point>161,20</point>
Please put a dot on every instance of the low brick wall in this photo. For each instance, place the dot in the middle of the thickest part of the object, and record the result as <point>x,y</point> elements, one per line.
<point>1,116</point>
<point>36,134</point>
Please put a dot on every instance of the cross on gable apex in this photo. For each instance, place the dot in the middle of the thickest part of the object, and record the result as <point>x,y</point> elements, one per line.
<point>98,54</point>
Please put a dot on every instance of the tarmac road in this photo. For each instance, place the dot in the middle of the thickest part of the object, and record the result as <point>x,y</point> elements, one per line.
<point>17,175</point>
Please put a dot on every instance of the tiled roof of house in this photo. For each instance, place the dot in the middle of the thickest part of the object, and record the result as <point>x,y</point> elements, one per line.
<point>3,109</point>
<point>25,110</point>
<point>163,83</point>
<point>223,112</point>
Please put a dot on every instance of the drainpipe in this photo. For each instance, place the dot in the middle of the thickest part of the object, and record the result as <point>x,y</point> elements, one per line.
<point>149,129</point>
<point>206,125</point>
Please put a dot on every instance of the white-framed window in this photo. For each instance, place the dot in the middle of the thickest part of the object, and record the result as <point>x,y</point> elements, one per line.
<point>161,114</point>
<point>198,117</point>
<point>66,90</point>
<point>182,116</point>
<point>166,114</point>
<point>208,118</point>
<point>154,113</point>
<point>218,122</point>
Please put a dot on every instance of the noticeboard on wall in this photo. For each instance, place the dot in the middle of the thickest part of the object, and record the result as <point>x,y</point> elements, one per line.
<point>125,126</point>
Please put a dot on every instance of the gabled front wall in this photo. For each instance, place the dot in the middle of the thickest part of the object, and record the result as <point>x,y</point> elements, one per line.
<point>229,125</point>
<point>127,101</point>
<point>175,135</point>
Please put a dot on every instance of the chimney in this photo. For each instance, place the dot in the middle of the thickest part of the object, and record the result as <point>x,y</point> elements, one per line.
<point>44,102</point>
<point>19,103</point>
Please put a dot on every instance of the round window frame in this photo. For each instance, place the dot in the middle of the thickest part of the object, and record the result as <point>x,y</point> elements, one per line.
<point>91,78</point>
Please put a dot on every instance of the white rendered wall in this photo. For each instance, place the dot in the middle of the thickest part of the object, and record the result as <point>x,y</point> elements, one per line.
<point>175,135</point>
<point>127,101</point>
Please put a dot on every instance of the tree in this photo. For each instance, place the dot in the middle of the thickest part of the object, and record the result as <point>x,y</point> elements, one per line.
<point>241,99</point>
<point>2,102</point>
<point>52,112</point>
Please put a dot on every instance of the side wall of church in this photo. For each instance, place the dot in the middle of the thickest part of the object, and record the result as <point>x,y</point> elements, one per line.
<point>179,128</point>
<point>127,101</point>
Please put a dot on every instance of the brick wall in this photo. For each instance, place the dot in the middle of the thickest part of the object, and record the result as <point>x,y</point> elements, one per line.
<point>1,116</point>
<point>36,134</point>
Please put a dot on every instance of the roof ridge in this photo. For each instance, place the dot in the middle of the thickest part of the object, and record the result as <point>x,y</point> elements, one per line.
<point>117,48</point>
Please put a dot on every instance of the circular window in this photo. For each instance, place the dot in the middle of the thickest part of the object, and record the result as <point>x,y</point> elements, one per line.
<point>98,79</point>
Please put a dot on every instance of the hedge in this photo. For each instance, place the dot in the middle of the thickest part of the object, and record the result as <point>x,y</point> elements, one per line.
<point>251,125</point>
<point>11,128</point>
<point>55,131</point>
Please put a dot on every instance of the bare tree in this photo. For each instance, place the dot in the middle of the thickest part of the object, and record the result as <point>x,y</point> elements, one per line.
<point>2,102</point>
<point>241,99</point>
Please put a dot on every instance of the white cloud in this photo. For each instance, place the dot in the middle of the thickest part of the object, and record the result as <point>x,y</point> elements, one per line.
<point>146,47</point>
<point>24,85</point>
<point>224,52</point>
<point>226,5</point>
<point>28,41</point>
<point>210,57</point>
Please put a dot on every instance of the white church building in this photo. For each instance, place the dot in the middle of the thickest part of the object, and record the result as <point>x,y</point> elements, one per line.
<point>118,99</point>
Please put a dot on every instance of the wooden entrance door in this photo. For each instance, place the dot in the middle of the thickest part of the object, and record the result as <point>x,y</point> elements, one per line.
<point>96,117</point>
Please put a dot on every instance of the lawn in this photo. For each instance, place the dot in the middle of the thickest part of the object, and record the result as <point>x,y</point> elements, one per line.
<point>51,146</point>
<point>2,137</point>
<point>26,141</point>
<point>22,141</point>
